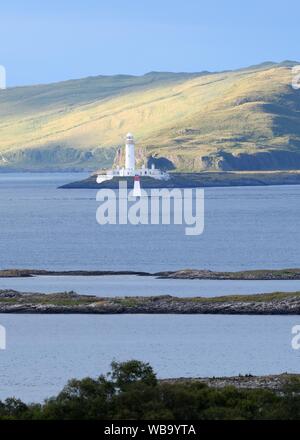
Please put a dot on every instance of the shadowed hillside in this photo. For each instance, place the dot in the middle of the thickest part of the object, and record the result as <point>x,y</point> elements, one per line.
<point>247,119</point>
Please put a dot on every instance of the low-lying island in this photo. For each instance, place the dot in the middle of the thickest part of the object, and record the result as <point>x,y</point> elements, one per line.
<point>203,179</point>
<point>279,303</point>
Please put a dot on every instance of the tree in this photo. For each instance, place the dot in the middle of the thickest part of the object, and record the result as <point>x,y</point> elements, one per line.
<point>126,373</point>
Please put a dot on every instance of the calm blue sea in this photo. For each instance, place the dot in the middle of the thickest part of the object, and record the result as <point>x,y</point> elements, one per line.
<point>43,227</point>
<point>245,227</point>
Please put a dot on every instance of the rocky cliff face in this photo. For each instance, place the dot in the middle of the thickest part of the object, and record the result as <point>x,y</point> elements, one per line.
<point>261,161</point>
<point>58,158</point>
<point>219,161</point>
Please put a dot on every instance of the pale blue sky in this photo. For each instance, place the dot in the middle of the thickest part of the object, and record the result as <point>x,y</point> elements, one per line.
<point>51,41</point>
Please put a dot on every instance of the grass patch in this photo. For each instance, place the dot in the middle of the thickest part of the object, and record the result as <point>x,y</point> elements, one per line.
<point>128,302</point>
<point>259,297</point>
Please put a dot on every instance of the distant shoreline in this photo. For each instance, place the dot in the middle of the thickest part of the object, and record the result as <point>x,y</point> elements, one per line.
<point>184,274</point>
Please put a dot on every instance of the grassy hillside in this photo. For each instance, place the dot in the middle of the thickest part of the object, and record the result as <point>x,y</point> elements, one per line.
<point>247,119</point>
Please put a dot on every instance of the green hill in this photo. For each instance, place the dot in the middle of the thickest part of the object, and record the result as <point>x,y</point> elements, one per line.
<point>248,119</point>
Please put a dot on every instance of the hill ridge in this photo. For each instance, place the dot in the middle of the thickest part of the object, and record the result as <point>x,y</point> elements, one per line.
<point>244,119</point>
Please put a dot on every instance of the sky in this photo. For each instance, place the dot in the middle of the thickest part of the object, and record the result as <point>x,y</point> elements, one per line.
<point>44,42</point>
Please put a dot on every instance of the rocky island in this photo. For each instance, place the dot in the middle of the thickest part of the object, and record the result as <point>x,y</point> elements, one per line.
<point>255,275</point>
<point>194,180</point>
<point>192,274</point>
<point>279,303</point>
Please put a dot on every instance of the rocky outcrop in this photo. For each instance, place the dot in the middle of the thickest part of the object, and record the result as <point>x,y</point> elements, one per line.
<point>277,383</point>
<point>222,160</point>
<point>64,303</point>
<point>197,180</point>
<point>265,161</point>
<point>263,274</point>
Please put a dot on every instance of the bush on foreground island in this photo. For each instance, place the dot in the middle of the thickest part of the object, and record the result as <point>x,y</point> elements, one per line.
<point>131,391</point>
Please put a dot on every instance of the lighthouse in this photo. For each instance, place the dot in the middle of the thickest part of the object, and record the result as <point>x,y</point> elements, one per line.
<point>130,154</point>
<point>130,170</point>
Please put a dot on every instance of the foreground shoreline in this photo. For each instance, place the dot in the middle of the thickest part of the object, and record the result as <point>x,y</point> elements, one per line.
<point>279,303</point>
<point>135,383</point>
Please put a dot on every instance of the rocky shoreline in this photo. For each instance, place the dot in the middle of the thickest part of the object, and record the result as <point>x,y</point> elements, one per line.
<point>277,383</point>
<point>71,303</point>
<point>255,275</point>
<point>187,274</point>
<point>25,273</point>
<point>204,179</point>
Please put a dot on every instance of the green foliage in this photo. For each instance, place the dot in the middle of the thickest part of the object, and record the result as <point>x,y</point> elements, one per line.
<point>131,391</point>
<point>125,373</point>
<point>13,408</point>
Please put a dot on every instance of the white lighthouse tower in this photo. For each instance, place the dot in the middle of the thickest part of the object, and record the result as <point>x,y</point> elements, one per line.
<point>130,170</point>
<point>130,154</point>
